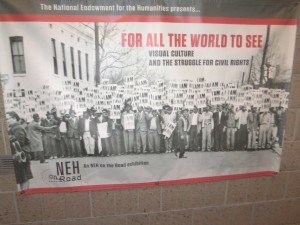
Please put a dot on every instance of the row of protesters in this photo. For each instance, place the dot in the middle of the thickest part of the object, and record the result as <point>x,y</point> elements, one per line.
<point>220,128</point>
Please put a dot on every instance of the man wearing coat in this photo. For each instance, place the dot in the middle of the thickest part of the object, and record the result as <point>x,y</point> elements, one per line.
<point>34,133</point>
<point>104,142</point>
<point>207,126</point>
<point>182,129</point>
<point>219,118</point>
<point>73,134</point>
<point>127,121</point>
<point>154,132</point>
<point>264,121</point>
<point>49,136</point>
<point>18,136</point>
<point>194,129</point>
<point>230,128</point>
<point>141,130</point>
<point>252,125</point>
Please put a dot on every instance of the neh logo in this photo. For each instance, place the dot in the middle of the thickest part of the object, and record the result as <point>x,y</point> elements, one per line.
<point>67,171</point>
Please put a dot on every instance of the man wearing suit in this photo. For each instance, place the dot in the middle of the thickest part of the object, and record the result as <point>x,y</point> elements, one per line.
<point>207,126</point>
<point>264,121</point>
<point>141,130</point>
<point>73,134</point>
<point>154,132</point>
<point>241,141</point>
<point>230,128</point>
<point>128,130</point>
<point>219,119</point>
<point>49,136</point>
<point>104,143</point>
<point>182,129</point>
<point>252,125</point>
<point>88,132</point>
<point>194,129</point>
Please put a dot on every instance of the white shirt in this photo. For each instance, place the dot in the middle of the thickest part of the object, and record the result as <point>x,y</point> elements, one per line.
<point>194,121</point>
<point>87,125</point>
<point>63,127</point>
<point>243,117</point>
<point>153,124</point>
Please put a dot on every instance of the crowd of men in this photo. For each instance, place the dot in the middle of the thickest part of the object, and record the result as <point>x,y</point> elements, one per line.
<point>212,128</point>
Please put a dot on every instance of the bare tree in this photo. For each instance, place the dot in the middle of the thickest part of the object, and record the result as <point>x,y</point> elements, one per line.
<point>268,57</point>
<point>114,62</point>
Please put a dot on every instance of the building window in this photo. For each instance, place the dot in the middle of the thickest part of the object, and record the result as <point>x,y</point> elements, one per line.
<point>64,58</point>
<point>79,64</point>
<point>54,56</point>
<point>87,66</point>
<point>72,62</point>
<point>17,53</point>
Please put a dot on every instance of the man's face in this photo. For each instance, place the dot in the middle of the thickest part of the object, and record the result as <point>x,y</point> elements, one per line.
<point>185,113</point>
<point>72,115</point>
<point>36,118</point>
<point>105,114</point>
<point>140,109</point>
<point>195,110</point>
<point>10,120</point>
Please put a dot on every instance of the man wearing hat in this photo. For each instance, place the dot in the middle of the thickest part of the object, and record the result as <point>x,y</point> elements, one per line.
<point>104,142</point>
<point>73,134</point>
<point>34,133</point>
<point>127,121</point>
<point>168,117</point>
<point>207,124</point>
<point>252,125</point>
<point>49,136</point>
<point>194,128</point>
<point>241,141</point>
<point>264,121</point>
<point>141,129</point>
<point>63,135</point>
<point>272,132</point>
<point>219,118</point>
<point>281,122</point>
<point>88,132</point>
<point>182,129</point>
<point>61,144</point>
<point>154,132</point>
<point>230,128</point>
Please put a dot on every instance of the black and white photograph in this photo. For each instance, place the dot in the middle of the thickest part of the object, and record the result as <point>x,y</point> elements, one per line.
<point>124,103</point>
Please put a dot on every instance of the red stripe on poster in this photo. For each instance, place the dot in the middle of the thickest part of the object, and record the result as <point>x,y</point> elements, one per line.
<point>150,184</point>
<point>144,18</point>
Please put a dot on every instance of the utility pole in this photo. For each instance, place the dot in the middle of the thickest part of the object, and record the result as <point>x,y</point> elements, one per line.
<point>250,70</point>
<point>243,79</point>
<point>97,59</point>
<point>263,60</point>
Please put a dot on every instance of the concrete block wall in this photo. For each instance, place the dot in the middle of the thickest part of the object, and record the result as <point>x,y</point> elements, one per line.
<point>254,201</point>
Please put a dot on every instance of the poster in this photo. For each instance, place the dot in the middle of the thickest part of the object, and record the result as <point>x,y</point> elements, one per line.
<point>223,68</point>
<point>170,127</point>
<point>129,122</point>
<point>102,130</point>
